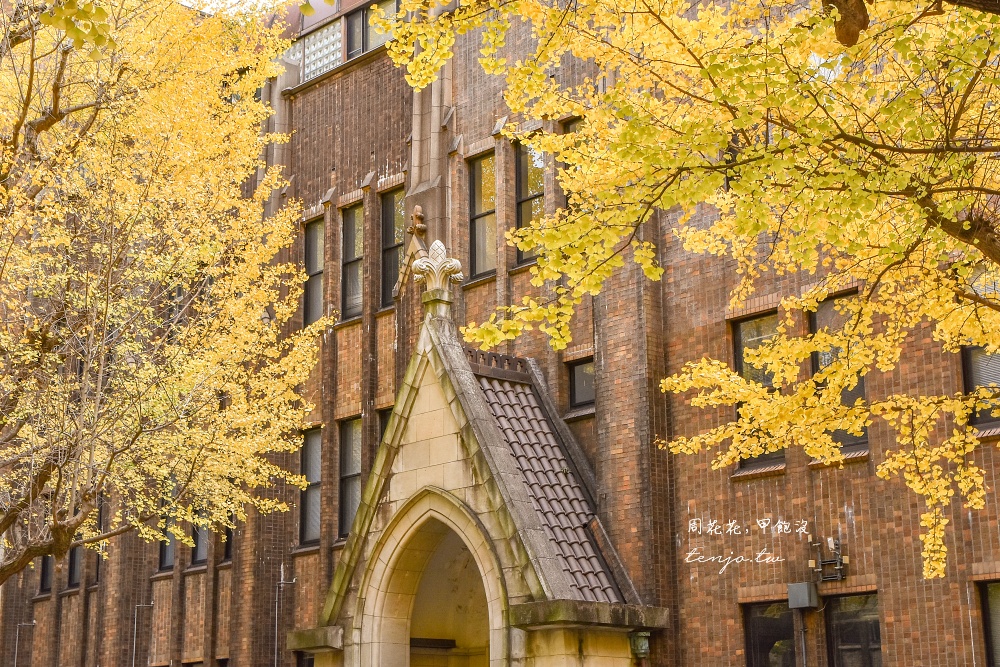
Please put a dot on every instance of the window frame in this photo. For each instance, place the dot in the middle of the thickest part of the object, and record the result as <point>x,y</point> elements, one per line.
<point>986,614</point>
<point>347,264</point>
<point>227,545</point>
<point>347,479</point>
<point>768,458</point>
<point>312,487</point>
<point>475,216</point>
<point>828,621</point>
<point>167,554</point>
<point>313,277</point>
<point>45,576</point>
<point>746,611</point>
<point>394,248</point>
<point>851,446</point>
<point>523,196</point>
<point>366,28</point>
<point>571,366</point>
<point>200,536</point>
<point>975,419</point>
<point>74,567</point>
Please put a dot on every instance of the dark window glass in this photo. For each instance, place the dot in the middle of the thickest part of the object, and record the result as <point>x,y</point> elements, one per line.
<point>309,505</point>
<point>98,555</point>
<point>227,545</point>
<point>393,228</point>
<point>483,219</point>
<point>313,295</point>
<point>73,567</point>
<point>853,635</point>
<point>991,622</point>
<point>350,473</point>
<point>581,383</point>
<point>45,575</point>
<point>167,548</point>
<point>199,552</point>
<point>770,635</point>
<point>981,369</point>
<point>304,660</point>
<point>828,317</point>
<point>354,220</point>
<point>530,190</point>
<point>750,334</point>
<point>383,421</point>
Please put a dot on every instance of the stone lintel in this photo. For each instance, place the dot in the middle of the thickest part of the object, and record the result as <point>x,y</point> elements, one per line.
<point>316,640</point>
<point>533,615</point>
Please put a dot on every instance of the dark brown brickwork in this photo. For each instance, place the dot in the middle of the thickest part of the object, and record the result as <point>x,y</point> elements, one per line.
<point>359,132</point>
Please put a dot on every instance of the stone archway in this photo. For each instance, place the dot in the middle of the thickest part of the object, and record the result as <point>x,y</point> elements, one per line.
<point>433,593</point>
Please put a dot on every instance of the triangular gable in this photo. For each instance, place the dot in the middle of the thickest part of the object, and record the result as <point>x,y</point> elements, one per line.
<point>440,358</point>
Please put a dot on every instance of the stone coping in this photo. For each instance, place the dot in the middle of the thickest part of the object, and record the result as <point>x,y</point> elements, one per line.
<point>532,615</point>
<point>316,640</point>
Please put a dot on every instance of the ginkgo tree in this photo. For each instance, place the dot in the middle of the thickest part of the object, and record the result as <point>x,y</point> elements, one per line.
<point>871,167</point>
<point>148,378</point>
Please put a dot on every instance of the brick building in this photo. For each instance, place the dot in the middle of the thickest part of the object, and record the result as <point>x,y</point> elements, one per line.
<point>513,508</point>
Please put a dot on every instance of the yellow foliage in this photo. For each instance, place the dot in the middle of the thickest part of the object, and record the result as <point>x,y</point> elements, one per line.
<point>770,143</point>
<point>144,359</point>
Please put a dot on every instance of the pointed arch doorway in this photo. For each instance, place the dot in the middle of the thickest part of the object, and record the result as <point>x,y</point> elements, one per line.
<point>449,623</point>
<point>429,603</point>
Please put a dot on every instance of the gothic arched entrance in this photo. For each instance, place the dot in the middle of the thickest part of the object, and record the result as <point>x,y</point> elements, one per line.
<point>429,602</point>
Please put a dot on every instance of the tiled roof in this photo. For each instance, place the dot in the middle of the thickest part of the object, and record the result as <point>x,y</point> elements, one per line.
<point>555,491</point>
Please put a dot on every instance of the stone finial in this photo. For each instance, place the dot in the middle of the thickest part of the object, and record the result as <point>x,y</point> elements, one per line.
<point>438,271</point>
<point>418,228</point>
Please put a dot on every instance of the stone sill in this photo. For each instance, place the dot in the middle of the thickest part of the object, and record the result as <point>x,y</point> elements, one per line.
<point>481,279</point>
<point>350,321</point>
<point>523,267</point>
<point>196,568</point>
<point>306,549</point>
<point>768,470</point>
<point>857,456</point>
<point>581,412</point>
<point>162,574</point>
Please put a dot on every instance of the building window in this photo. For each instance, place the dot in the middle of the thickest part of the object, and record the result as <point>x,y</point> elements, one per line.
<point>991,621</point>
<point>313,294</point>
<point>304,659</point>
<point>749,334</point>
<point>354,231</point>
<point>581,383</point>
<point>167,549</point>
<point>828,317</point>
<point>45,575</point>
<point>393,228</point>
<point>350,473</point>
<point>980,369</point>
<point>227,545</point>
<point>853,635</point>
<point>770,635</point>
<point>309,502</point>
<point>383,422</point>
<point>530,191</point>
<point>482,213</point>
<point>361,36</point>
<point>199,552</point>
<point>73,567</point>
